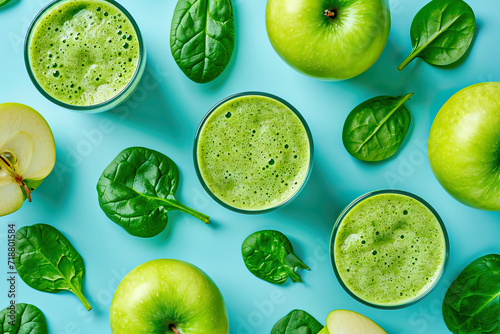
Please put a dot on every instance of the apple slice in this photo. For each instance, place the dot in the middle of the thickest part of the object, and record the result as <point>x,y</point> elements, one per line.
<point>349,322</point>
<point>27,154</point>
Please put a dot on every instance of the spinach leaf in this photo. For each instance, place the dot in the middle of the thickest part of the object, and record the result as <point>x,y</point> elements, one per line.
<point>472,303</point>
<point>47,261</point>
<point>4,2</point>
<point>297,322</point>
<point>375,129</point>
<point>202,37</point>
<point>441,32</point>
<point>136,191</point>
<point>269,256</point>
<point>22,319</point>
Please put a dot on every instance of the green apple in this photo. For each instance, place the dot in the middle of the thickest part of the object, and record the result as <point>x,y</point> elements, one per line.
<point>27,154</point>
<point>348,322</point>
<point>168,296</point>
<point>464,146</point>
<point>329,39</point>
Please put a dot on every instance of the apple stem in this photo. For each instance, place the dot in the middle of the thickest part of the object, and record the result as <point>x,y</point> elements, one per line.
<point>173,329</point>
<point>25,187</point>
<point>181,207</point>
<point>330,13</point>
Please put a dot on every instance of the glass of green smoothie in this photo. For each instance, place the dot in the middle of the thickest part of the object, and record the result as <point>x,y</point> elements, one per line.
<point>253,152</point>
<point>389,248</point>
<point>85,55</point>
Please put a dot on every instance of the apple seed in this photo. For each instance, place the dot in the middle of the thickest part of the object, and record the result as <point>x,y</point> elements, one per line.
<point>173,329</point>
<point>9,162</point>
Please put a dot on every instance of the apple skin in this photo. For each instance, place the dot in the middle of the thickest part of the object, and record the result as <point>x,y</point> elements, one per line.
<point>24,132</point>
<point>335,48</point>
<point>166,292</point>
<point>464,146</point>
<point>349,322</point>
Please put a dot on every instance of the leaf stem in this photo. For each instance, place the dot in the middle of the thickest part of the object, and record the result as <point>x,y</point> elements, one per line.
<point>293,260</point>
<point>294,276</point>
<point>407,97</point>
<point>176,205</point>
<point>82,298</point>
<point>293,263</point>
<point>408,60</point>
<point>181,207</point>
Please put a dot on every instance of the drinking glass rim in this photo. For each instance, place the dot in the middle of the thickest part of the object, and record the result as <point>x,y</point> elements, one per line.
<point>93,107</point>
<point>353,204</point>
<point>295,112</point>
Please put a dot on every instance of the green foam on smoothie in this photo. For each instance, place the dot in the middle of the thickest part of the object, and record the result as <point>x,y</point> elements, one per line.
<point>84,52</point>
<point>253,153</point>
<point>389,249</point>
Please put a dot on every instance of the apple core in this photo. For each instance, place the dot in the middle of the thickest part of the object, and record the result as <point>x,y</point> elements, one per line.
<point>9,164</point>
<point>27,154</point>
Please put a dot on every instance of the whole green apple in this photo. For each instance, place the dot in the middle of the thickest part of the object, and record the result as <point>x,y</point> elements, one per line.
<point>464,146</point>
<point>329,39</point>
<point>168,296</point>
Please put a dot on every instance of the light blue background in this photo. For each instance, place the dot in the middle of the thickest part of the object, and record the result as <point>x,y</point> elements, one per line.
<point>164,114</point>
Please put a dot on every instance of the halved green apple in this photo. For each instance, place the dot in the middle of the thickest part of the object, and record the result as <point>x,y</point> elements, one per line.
<point>349,322</point>
<point>27,154</point>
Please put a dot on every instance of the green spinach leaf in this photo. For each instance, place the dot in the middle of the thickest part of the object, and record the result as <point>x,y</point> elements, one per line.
<point>297,322</point>
<point>47,261</point>
<point>136,191</point>
<point>441,32</point>
<point>472,303</point>
<point>375,129</point>
<point>202,37</point>
<point>269,256</point>
<point>22,319</point>
<point>4,2</point>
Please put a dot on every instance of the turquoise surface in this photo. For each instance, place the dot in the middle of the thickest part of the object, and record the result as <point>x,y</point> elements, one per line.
<point>164,114</point>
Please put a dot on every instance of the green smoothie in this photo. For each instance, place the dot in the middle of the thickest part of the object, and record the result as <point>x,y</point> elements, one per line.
<point>83,52</point>
<point>253,153</point>
<point>389,249</point>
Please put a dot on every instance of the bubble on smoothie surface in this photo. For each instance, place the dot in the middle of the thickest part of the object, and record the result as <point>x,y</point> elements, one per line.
<point>253,152</point>
<point>79,38</point>
<point>389,249</point>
